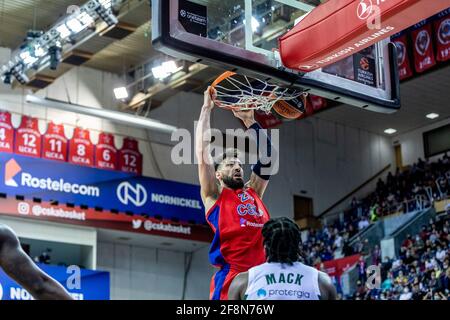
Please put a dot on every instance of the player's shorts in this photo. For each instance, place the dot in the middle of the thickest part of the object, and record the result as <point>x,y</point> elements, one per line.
<point>220,283</point>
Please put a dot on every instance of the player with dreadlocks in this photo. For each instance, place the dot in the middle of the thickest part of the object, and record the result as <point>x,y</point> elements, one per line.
<point>283,276</point>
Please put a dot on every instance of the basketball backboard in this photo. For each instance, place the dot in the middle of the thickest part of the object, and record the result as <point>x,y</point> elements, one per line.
<point>216,32</point>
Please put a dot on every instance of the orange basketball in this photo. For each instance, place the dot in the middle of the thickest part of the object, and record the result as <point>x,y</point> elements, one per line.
<point>288,110</point>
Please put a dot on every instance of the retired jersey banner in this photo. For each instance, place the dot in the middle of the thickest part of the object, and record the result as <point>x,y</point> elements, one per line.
<point>423,47</point>
<point>45,211</point>
<point>95,188</point>
<point>442,32</point>
<point>106,152</point>
<point>6,132</point>
<point>130,159</point>
<point>54,143</point>
<point>403,62</point>
<point>81,149</point>
<point>28,138</point>
<point>94,285</point>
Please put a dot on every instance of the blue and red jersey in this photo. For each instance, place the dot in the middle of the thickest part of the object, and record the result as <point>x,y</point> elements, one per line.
<point>237,219</point>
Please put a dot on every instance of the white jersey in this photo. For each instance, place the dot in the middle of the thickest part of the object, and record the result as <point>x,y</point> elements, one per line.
<point>277,281</point>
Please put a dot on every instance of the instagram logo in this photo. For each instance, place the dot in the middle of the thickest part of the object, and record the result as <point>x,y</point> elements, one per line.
<point>23,208</point>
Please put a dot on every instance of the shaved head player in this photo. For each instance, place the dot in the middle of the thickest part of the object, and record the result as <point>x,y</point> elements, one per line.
<point>234,210</point>
<point>19,267</point>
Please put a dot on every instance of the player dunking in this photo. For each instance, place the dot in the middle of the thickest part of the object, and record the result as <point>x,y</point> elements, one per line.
<point>234,210</point>
<point>17,265</point>
<point>283,276</point>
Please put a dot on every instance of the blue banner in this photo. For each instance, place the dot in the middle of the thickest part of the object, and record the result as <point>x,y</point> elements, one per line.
<point>110,190</point>
<point>82,284</point>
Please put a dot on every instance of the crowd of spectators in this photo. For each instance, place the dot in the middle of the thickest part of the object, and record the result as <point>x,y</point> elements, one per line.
<point>420,272</point>
<point>405,191</point>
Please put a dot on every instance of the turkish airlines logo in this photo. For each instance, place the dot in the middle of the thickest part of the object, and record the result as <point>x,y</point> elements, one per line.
<point>12,168</point>
<point>127,193</point>
<point>364,10</point>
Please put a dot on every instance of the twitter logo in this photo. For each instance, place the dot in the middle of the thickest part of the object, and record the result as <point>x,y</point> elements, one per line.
<point>137,224</point>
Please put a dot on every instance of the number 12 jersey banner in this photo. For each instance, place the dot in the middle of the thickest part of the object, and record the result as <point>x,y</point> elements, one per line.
<point>54,145</point>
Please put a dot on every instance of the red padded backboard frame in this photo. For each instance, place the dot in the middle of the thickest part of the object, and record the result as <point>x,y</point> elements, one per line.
<point>340,28</point>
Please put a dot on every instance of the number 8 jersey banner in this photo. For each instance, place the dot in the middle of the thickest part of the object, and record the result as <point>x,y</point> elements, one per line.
<point>54,143</point>
<point>28,138</point>
<point>81,149</point>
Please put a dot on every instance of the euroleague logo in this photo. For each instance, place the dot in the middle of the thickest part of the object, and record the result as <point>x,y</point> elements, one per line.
<point>364,63</point>
<point>183,13</point>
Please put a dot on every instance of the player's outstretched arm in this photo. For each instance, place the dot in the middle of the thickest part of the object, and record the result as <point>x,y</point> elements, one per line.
<point>17,265</point>
<point>206,172</point>
<point>262,169</point>
<point>238,287</point>
<point>327,289</point>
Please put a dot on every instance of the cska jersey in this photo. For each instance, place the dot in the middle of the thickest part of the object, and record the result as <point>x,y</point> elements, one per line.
<point>237,219</point>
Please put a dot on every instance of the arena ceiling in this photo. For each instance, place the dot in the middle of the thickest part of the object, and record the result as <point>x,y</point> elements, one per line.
<point>128,46</point>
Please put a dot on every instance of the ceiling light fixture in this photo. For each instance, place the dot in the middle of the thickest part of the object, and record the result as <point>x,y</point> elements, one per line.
<point>432,115</point>
<point>255,24</point>
<point>121,93</point>
<point>37,52</point>
<point>390,131</point>
<point>165,69</point>
<point>115,116</point>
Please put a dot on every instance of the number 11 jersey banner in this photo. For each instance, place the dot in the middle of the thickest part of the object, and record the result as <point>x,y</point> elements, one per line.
<point>95,188</point>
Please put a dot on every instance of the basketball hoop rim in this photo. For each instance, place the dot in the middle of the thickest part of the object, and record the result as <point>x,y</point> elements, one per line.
<point>264,100</point>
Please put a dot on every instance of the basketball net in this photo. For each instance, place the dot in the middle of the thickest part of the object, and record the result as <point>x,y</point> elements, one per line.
<point>240,92</point>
